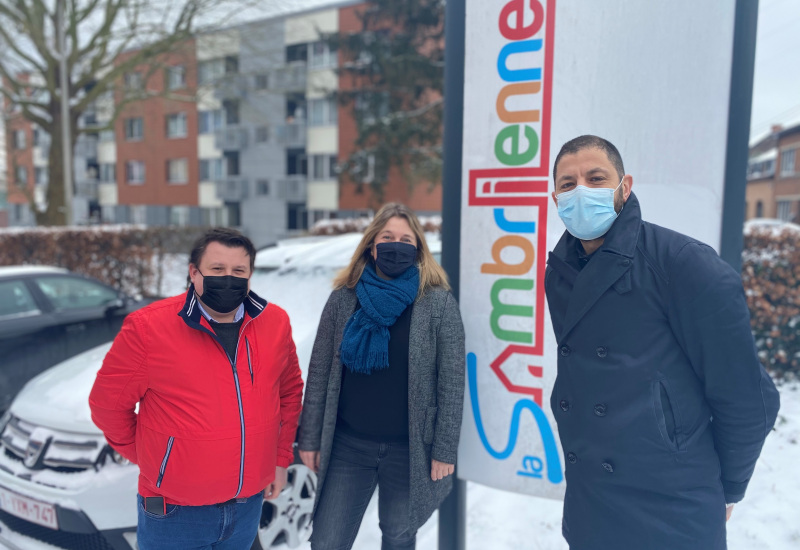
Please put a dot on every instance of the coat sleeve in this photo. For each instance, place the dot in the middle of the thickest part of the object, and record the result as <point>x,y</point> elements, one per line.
<point>450,362</point>
<point>710,318</point>
<point>319,370</point>
<point>291,395</point>
<point>120,385</point>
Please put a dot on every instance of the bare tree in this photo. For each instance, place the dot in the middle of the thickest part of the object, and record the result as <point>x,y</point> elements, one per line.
<point>106,39</point>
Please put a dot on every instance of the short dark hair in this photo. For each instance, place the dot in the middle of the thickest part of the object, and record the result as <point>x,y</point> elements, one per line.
<point>226,236</point>
<point>591,142</point>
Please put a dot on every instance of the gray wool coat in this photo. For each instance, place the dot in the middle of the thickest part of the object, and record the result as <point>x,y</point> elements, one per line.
<point>435,391</point>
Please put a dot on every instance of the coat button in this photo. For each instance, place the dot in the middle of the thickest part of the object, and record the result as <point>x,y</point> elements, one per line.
<point>564,404</point>
<point>608,467</point>
<point>602,351</point>
<point>572,458</point>
<point>565,351</point>
<point>600,409</point>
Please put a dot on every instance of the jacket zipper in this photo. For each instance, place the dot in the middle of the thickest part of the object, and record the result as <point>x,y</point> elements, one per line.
<point>164,462</point>
<point>241,409</point>
<point>249,362</point>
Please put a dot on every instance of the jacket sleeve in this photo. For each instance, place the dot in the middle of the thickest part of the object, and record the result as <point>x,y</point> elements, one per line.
<point>319,369</point>
<point>120,385</point>
<point>291,395</point>
<point>710,318</point>
<point>450,362</point>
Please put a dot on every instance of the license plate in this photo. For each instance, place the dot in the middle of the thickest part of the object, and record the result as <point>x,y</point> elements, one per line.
<point>28,509</point>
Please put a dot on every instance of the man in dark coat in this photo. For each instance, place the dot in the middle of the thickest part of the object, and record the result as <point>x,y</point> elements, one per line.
<point>661,402</point>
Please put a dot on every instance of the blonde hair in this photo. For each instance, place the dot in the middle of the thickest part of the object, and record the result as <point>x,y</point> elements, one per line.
<point>430,273</point>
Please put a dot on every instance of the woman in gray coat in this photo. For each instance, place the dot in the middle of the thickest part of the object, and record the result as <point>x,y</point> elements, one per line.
<point>385,388</point>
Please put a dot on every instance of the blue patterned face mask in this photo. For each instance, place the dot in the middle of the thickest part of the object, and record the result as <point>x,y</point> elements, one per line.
<point>588,212</point>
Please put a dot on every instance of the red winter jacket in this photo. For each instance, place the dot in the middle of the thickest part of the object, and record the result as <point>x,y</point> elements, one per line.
<point>208,429</point>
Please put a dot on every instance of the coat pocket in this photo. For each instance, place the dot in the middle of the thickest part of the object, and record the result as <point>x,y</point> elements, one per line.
<point>665,414</point>
<point>164,461</point>
<point>249,359</point>
<point>430,425</point>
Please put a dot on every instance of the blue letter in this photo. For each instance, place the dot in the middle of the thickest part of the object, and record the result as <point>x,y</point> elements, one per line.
<point>518,75</point>
<point>512,227</point>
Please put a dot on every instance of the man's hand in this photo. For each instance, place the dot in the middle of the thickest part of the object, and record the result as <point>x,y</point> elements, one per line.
<point>440,470</point>
<point>311,460</point>
<point>274,489</point>
<point>728,512</point>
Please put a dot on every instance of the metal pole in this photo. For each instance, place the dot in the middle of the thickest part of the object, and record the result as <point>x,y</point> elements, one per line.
<point>66,137</point>
<point>453,512</point>
<point>741,98</point>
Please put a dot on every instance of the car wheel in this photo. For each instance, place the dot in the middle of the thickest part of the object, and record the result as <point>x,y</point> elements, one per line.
<point>287,519</point>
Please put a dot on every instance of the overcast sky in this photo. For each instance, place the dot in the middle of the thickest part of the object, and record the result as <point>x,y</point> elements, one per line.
<point>776,91</point>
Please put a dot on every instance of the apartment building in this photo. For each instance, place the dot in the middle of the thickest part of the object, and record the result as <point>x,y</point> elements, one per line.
<point>3,175</point>
<point>238,127</point>
<point>773,176</point>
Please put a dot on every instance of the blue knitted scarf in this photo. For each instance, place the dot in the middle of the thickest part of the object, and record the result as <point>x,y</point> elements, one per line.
<point>365,343</point>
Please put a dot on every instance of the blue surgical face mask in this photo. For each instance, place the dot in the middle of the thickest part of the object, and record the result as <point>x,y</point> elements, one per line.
<point>588,212</point>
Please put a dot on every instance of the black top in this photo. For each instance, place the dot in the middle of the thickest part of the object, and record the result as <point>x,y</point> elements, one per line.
<point>375,406</point>
<point>228,334</point>
<point>583,257</point>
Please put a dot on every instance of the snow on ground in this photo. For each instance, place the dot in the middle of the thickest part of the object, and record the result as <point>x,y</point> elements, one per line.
<point>766,519</point>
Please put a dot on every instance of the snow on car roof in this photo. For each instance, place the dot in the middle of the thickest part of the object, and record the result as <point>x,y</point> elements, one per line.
<point>16,270</point>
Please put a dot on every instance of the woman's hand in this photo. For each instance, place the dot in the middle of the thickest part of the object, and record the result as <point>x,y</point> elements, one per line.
<point>311,460</point>
<point>439,470</point>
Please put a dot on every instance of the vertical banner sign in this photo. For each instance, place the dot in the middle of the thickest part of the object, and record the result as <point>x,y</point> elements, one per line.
<point>508,440</point>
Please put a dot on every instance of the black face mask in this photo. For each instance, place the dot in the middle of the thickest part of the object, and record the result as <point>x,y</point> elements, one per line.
<point>224,293</point>
<point>395,258</point>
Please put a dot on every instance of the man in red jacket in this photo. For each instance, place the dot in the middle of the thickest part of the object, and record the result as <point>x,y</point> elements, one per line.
<point>218,385</point>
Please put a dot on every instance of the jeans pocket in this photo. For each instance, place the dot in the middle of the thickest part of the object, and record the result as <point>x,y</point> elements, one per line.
<point>172,509</point>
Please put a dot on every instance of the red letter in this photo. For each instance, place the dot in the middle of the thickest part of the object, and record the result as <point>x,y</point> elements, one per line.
<point>519,31</point>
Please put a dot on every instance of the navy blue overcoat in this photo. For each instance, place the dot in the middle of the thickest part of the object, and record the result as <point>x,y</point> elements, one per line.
<point>661,402</point>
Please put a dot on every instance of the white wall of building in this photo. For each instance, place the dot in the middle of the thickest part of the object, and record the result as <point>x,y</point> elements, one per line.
<point>303,28</point>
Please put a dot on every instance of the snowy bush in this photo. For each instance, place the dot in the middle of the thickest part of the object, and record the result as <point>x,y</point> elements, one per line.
<point>771,277</point>
<point>130,258</point>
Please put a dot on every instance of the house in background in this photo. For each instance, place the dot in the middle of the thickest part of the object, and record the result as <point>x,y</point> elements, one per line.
<point>773,176</point>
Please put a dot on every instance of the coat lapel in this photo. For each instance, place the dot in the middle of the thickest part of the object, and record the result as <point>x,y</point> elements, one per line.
<point>422,310</point>
<point>609,263</point>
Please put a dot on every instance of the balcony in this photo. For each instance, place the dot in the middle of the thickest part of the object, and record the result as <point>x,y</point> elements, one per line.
<point>87,189</point>
<point>231,86</point>
<point>233,189</point>
<point>292,135</point>
<point>231,139</point>
<point>291,78</point>
<point>293,189</point>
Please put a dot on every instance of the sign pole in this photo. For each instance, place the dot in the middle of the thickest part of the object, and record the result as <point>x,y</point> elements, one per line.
<point>741,98</point>
<point>453,512</point>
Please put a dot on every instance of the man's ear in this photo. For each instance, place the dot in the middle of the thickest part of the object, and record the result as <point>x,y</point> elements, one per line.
<point>555,200</point>
<point>627,187</point>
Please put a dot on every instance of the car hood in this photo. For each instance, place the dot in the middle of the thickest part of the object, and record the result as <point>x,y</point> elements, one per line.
<point>59,397</point>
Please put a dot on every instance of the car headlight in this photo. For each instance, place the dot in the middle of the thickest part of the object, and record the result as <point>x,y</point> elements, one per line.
<point>4,420</point>
<point>117,458</point>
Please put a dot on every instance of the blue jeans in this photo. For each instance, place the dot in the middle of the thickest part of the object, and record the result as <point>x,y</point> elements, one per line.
<point>231,526</point>
<point>356,467</point>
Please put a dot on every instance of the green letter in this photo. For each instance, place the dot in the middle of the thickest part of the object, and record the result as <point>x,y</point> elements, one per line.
<point>515,157</point>
<point>499,309</point>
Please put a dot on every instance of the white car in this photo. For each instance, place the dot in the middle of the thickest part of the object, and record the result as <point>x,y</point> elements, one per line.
<point>62,484</point>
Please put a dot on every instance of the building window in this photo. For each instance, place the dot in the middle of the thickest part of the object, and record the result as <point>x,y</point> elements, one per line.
<point>296,162</point>
<point>333,166</point>
<point>231,109</point>
<point>176,77</point>
<point>231,163</point>
<point>262,134</point>
<point>785,211</point>
<point>262,82</point>
<point>108,172</point>
<point>210,71</point>
<point>176,125</point>
<point>37,137</point>
<point>262,187</point>
<point>296,52</point>
<point>324,167</point>
<point>211,169</point>
<point>40,175</point>
<point>134,82</point>
<point>759,209</point>
<point>177,171</point>
<point>323,55</point>
<point>322,112</point>
<point>134,129</point>
<point>106,136</point>
<point>20,140</point>
<point>179,215</point>
<point>134,172</point>
<point>787,162</point>
<point>21,176</point>
<point>210,121</point>
<point>231,64</point>
<point>297,216</point>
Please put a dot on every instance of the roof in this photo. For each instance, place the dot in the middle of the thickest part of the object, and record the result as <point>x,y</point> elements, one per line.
<point>14,270</point>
